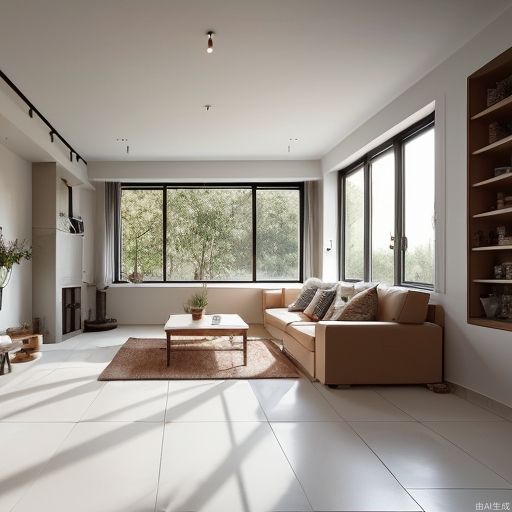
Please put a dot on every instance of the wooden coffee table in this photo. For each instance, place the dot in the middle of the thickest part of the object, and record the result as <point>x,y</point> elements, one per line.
<point>183,325</point>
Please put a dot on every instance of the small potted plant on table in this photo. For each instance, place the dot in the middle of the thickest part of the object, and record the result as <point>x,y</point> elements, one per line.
<point>197,304</point>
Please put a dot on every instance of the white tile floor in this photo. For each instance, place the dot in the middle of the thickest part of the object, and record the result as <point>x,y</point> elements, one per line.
<point>70,442</point>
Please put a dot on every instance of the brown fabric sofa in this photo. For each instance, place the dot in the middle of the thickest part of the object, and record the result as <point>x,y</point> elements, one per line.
<point>403,346</point>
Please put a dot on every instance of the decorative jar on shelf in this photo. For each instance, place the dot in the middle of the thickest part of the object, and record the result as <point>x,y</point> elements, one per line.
<point>490,305</point>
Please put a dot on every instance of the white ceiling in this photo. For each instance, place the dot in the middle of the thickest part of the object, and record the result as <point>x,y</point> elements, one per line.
<point>138,69</point>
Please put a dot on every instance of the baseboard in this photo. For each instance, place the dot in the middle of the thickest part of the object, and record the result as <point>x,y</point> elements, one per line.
<point>482,401</point>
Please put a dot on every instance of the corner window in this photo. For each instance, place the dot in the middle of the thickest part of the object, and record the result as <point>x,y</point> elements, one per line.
<point>387,211</point>
<point>217,233</point>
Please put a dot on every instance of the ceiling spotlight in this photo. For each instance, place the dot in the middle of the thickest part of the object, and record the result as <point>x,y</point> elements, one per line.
<point>209,47</point>
<point>207,107</point>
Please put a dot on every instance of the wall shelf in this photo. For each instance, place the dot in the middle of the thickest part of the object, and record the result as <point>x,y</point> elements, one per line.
<point>493,281</point>
<point>493,248</point>
<point>494,323</point>
<point>500,145</point>
<point>503,107</point>
<point>494,213</point>
<point>482,187</point>
<point>497,182</point>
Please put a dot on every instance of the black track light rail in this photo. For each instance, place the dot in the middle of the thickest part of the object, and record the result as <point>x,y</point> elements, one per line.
<point>33,110</point>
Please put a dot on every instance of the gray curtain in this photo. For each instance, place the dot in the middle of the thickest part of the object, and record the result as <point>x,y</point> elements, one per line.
<point>112,212</point>
<point>311,229</point>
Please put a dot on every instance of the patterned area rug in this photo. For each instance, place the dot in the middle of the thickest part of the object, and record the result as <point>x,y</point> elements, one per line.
<point>207,358</point>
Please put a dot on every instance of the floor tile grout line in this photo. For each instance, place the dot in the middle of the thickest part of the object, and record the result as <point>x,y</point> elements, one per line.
<point>336,413</point>
<point>282,450</point>
<point>101,388</point>
<point>395,405</point>
<point>45,464</point>
<point>384,464</point>
<point>466,452</point>
<point>291,466</point>
<point>450,393</point>
<point>460,488</point>
<point>162,446</point>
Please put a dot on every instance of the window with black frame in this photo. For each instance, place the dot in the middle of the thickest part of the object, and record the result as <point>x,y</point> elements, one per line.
<point>387,211</point>
<point>219,233</point>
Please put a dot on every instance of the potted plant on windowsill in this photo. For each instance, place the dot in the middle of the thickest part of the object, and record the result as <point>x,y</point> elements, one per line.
<point>11,253</point>
<point>197,304</point>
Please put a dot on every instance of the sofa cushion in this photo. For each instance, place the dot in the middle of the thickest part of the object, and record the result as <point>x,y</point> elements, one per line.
<point>362,308</point>
<point>320,304</point>
<point>304,333</point>
<point>281,317</point>
<point>402,305</point>
<point>344,292</point>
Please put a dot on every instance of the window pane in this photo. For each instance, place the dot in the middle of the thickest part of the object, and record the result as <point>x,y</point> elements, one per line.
<point>209,234</point>
<point>419,167</point>
<point>383,217</point>
<point>354,225</point>
<point>277,235</point>
<point>141,234</point>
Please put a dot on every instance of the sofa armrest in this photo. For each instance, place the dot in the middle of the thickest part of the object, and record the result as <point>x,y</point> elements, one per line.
<point>435,314</point>
<point>272,299</point>
<point>378,353</point>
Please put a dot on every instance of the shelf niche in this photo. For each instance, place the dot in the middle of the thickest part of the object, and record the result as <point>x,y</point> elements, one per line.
<point>482,188</point>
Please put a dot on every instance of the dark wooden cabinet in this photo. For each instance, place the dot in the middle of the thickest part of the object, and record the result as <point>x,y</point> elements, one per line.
<point>71,309</point>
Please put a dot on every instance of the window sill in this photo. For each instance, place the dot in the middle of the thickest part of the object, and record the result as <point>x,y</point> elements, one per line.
<point>262,285</point>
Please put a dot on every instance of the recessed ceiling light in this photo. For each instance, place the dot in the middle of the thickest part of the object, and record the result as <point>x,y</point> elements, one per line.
<point>209,46</point>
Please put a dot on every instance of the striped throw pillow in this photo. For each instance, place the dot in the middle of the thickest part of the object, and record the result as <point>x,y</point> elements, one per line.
<point>303,300</point>
<point>320,304</point>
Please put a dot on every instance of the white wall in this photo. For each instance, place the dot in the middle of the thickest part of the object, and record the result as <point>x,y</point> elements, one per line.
<point>16,222</point>
<point>150,304</point>
<point>206,171</point>
<point>476,358</point>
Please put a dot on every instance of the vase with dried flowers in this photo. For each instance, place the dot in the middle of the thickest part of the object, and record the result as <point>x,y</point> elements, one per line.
<point>11,253</point>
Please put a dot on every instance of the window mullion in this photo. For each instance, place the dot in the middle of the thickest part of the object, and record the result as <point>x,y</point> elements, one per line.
<point>164,233</point>
<point>254,233</point>
<point>398,212</point>
<point>341,217</point>
<point>367,221</point>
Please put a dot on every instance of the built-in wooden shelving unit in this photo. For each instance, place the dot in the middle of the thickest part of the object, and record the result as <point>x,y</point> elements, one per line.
<point>484,217</point>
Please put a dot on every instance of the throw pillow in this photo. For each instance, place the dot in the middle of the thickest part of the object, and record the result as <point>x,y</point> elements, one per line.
<point>305,297</point>
<point>344,292</point>
<point>320,304</point>
<point>340,305</point>
<point>303,300</point>
<point>363,307</point>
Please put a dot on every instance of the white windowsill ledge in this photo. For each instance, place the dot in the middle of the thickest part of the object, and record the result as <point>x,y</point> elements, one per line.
<point>262,286</point>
